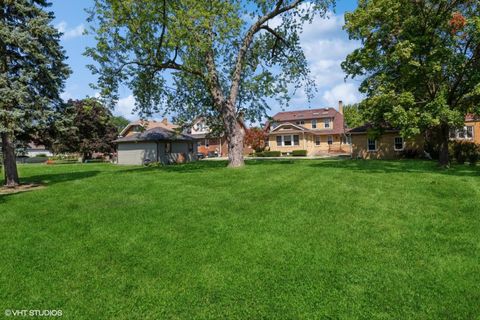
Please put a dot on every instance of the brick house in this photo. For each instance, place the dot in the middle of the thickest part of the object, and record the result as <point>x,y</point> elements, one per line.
<point>318,131</point>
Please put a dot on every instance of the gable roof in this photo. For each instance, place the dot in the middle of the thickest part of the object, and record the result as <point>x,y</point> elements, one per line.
<point>306,114</point>
<point>289,124</point>
<point>156,134</point>
<point>149,124</point>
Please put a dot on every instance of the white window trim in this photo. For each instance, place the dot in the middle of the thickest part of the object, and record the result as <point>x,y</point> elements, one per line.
<point>292,140</point>
<point>403,144</point>
<point>376,146</point>
<point>314,123</point>
<point>464,128</point>
<point>319,141</point>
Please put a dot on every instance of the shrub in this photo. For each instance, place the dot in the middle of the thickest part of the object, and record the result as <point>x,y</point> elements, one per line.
<point>465,151</point>
<point>299,153</point>
<point>259,154</point>
<point>271,153</point>
<point>410,154</point>
<point>41,155</point>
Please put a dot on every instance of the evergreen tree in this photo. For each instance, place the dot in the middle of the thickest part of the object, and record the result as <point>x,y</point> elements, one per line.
<point>32,73</point>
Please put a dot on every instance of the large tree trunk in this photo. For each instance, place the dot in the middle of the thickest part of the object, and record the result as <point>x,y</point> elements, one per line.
<point>443,158</point>
<point>9,162</point>
<point>235,146</point>
<point>235,133</point>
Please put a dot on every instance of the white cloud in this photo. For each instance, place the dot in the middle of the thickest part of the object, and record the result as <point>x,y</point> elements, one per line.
<point>326,45</point>
<point>125,107</point>
<point>347,92</point>
<point>69,33</point>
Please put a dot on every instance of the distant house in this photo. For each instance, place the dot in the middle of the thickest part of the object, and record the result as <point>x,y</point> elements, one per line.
<point>391,145</point>
<point>33,150</point>
<point>151,141</point>
<point>207,144</point>
<point>470,131</point>
<point>319,131</point>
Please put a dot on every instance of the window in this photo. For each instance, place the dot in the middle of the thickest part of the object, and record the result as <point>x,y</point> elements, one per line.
<point>314,124</point>
<point>279,141</point>
<point>346,140</point>
<point>317,140</point>
<point>300,122</point>
<point>372,145</point>
<point>462,133</point>
<point>469,132</point>
<point>296,140</point>
<point>287,140</point>
<point>190,147</point>
<point>398,143</point>
<point>290,140</point>
<point>330,139</point>
<point>168,147</point>
<point>326,123</point>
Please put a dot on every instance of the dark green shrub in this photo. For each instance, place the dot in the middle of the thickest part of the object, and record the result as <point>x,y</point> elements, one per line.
<point>411,154</point>
<point>271,153</point>
<point>299,153</point>
<point>465,151</point>
<point>41,155</point>
<point>259,154</point>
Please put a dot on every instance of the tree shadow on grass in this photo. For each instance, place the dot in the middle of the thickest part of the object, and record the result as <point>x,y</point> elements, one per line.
<point>51,179</point>
<point>196,166</point>
<point>398,166</point>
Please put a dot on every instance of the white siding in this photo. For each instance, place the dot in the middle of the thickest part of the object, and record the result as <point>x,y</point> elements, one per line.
<point>136,153</point>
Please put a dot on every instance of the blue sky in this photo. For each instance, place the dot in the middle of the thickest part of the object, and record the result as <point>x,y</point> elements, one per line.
<point>324,42</point>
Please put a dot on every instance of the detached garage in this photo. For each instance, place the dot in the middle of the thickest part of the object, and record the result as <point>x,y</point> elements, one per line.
<point>156,145</point>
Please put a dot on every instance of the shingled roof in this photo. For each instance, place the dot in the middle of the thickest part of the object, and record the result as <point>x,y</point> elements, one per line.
<point>298,115</point>
<point>306,114</point>
<point>156,134</point>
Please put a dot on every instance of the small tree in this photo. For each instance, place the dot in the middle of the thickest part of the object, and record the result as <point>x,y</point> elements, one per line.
<point>32,72</point>
<point>89,129</point>
<point>223,57</point>
<point>255,138</point>
<point>353,115</point>
<point>420,63</point>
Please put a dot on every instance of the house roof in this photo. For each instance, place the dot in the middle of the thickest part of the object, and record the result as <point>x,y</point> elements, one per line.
<point>472,117</point>
<point>297,115</point>
<point>149,124</point>
<point>367,126</point>
<point>306,114</point>
<point>156,134</point>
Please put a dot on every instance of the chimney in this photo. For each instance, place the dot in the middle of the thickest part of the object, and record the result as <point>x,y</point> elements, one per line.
<point>165,121</point>
<point>340,106</point>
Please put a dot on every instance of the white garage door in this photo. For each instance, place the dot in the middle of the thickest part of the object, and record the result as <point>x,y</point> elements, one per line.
<point>136,153</point>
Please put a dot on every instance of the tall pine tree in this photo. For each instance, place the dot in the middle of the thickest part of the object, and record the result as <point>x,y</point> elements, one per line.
<point>32,73</point>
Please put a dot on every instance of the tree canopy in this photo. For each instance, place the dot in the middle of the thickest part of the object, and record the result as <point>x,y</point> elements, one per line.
<point>212,58</point>
<point>87,127</point>
<point>419,62</point>
<point>32,73</point>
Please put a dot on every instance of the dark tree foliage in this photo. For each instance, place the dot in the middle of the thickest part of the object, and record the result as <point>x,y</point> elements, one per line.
<point>87,128</point>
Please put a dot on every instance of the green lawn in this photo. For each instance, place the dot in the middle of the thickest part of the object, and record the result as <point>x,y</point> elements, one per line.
<point>276,239</point>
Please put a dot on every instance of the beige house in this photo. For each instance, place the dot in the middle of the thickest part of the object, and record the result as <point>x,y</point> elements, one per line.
<point>389,145</point>
<point>318,131</point>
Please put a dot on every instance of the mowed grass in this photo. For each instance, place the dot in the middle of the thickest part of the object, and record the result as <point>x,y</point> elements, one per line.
<point>275,240</point>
